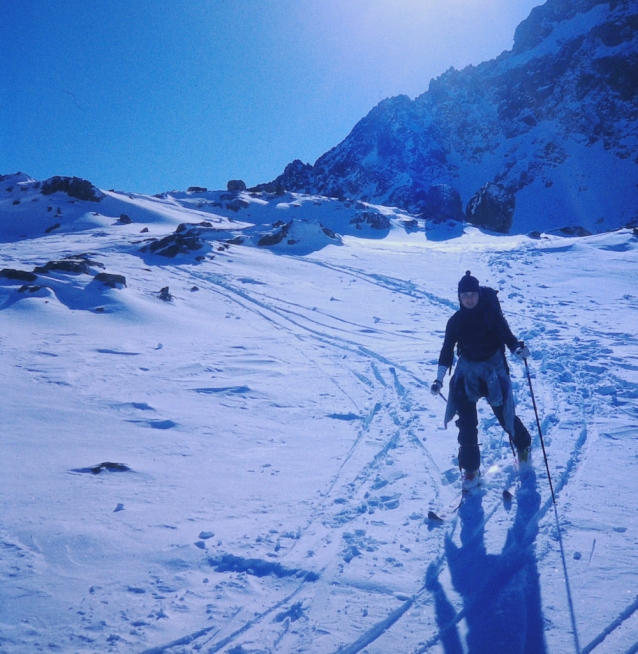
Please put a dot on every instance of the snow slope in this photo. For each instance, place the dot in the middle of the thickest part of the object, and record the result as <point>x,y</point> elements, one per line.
<point>248,466</point>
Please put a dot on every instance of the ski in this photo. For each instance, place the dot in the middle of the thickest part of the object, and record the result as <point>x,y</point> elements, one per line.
<point>507,494</point>
<point>455,505</point>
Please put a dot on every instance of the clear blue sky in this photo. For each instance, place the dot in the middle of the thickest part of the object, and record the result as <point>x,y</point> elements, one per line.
<point>155,95</point>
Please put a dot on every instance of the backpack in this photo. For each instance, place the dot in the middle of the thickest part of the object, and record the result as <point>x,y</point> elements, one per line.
<point>493,306</point>
<point>494,313</point>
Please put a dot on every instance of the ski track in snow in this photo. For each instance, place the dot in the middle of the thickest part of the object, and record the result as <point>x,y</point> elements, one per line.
<point>382,577</point>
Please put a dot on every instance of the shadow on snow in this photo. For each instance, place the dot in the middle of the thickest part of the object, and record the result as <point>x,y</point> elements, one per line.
<point>500,592</point>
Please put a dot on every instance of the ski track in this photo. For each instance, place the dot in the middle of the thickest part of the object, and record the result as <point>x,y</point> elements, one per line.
<point>395,390</point>
<point>581,375</point>
<point>400,404</point>
<point>340,526</point>
<point>393,407</point>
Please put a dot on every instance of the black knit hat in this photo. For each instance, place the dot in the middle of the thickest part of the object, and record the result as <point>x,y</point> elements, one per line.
<point>468,284</point>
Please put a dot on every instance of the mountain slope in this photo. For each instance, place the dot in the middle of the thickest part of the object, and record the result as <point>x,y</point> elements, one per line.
<point>553,123</point>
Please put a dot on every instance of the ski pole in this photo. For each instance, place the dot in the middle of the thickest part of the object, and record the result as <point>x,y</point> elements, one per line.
<point>540,433</point>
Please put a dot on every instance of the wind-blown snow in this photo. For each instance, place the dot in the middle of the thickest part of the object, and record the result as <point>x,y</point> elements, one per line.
<point>278,446</point>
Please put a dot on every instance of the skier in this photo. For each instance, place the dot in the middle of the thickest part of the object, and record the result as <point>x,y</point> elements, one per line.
<point>481,333</point>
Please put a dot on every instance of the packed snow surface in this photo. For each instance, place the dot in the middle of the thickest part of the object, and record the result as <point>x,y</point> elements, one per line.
<point>248,464</point>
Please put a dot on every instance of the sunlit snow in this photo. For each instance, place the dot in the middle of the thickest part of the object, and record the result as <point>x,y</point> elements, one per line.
<point>248,465</point>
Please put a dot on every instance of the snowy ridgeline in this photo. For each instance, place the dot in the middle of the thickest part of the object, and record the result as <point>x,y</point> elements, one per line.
<point>211,447</point>
<point>543,137</point>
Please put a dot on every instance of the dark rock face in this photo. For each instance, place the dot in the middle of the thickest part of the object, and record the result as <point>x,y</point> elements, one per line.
<point>442,202</point>
<point>542,20</point>
<point>74,187</point>
<point>372,219</point>
<point>18,275</point>
<point>174,244</point>
<point>186,238</point>
<point>268,240</point>
<point>298,175</point>
<point>493,208</point>
<point>534,119</point>
<point>73,266</point>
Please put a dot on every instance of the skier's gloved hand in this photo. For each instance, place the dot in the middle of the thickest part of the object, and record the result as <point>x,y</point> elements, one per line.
<point>436,387</point>
<point>522,351</point>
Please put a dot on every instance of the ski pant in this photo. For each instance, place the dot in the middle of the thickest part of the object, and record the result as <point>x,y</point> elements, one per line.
<point>469,453</point>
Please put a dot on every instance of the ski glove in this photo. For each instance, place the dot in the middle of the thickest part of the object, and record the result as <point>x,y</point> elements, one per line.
<point>522,351</point>
<point>436,387</point>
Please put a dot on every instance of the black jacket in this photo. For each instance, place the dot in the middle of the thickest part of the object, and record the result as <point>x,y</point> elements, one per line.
<point>479,332</point>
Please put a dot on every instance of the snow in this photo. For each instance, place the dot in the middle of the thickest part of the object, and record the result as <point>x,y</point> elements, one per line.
<point>279,446</point>
<point>564,31</point>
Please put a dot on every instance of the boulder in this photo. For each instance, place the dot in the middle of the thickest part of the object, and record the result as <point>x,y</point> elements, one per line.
<point>236,185</point>
<point>441,203</point>
<point>492,207</point>
<point>18,275</point>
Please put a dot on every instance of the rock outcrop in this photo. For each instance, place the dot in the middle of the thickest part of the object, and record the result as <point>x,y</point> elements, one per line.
<point>493,208</point>
<point>554,122</point>
<point>74,187</point>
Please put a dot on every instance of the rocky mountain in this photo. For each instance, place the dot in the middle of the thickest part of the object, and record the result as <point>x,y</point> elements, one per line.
<point>543,137</point>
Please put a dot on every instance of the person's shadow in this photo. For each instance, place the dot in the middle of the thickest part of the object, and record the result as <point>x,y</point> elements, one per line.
<point>501,592</point>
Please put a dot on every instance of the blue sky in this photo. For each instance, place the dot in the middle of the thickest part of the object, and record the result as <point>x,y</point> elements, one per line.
<point>153,96</point>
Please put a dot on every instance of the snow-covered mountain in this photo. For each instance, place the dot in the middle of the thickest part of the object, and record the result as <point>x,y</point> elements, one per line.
<point>543,137</point>
<point>217,432</point>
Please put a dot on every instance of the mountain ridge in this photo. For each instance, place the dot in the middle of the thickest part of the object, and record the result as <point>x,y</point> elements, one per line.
<point>551,123</point>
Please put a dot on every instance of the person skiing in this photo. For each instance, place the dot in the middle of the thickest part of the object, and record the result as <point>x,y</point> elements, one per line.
<point>480,332</point>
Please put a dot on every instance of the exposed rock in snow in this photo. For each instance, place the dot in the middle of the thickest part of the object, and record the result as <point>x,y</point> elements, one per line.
<point>110,279</point>
<point>492,207</point>
<point>298,237</point>
<point>18,275</point>
<point>181,242</point>
<point>235,185</point>
<point>74,187</point>
<point>442,202</point>
<point>297,175</point>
